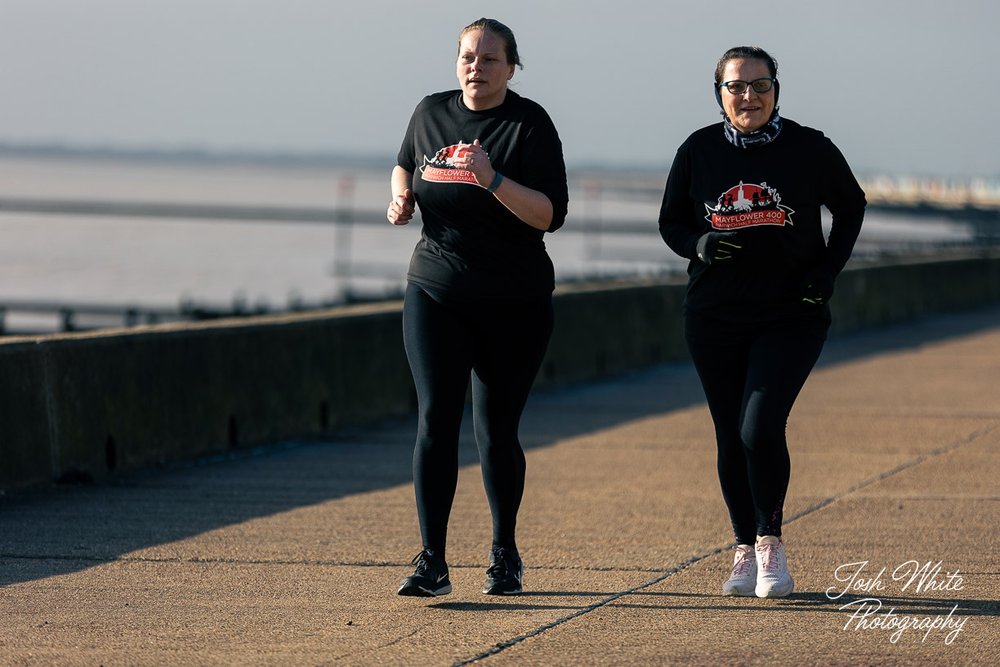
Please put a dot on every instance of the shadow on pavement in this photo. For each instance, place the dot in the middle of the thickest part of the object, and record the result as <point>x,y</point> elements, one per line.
<point>902,606</point>
<point>64,529</point>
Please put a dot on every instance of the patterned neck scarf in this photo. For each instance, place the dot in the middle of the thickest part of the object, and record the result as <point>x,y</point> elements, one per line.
<point>764,135</point>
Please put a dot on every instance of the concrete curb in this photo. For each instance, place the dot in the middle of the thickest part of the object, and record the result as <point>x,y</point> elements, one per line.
<point>86,405</point>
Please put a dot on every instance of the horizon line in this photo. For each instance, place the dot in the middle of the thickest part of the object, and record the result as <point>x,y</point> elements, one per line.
<point>303,158</point>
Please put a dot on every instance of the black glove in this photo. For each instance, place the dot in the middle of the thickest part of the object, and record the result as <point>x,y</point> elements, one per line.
<point>718,246</point>
<point>816,287</point>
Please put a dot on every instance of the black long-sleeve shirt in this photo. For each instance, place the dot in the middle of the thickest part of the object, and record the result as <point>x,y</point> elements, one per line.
<point>771,196</point>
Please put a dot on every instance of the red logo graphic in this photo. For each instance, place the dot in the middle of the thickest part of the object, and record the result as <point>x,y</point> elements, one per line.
<point>442,168</point>
<point>749,205</point>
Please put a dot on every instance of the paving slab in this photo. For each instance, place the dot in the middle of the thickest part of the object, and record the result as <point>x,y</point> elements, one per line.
<point>289,555</point>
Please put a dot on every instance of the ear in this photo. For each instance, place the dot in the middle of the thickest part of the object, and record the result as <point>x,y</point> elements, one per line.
<point>777,89</point>
<point>718,96</point>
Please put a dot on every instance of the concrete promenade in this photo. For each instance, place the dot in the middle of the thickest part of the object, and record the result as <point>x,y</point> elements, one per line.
<point>290,555</point>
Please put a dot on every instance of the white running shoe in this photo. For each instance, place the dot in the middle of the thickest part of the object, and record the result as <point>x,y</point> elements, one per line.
<point>773,578</point>
<point>743,579</point>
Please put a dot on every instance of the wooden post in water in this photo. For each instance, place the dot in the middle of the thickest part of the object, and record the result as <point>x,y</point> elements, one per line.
<point>343,235</point>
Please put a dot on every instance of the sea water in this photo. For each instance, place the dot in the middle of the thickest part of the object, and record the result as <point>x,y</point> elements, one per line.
<point>159,262</point>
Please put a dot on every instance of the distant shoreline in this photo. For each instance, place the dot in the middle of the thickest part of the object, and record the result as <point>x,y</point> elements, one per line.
<point>965,198</point>
<point>276,158</point>
<point>194,155</point>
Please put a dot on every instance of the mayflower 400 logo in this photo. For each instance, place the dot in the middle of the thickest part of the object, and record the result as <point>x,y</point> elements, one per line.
<point>748,205</point>
<point>442,168</point>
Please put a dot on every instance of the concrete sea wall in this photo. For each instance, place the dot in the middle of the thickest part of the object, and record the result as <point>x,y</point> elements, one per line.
<point>79,407</point>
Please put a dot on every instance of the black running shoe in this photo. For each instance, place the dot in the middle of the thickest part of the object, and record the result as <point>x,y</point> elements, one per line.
<point>429,579</point>
<point>504,575</point>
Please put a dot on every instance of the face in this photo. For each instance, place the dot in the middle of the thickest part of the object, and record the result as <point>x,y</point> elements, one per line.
<point>751,110</point>
<point>483,70</point>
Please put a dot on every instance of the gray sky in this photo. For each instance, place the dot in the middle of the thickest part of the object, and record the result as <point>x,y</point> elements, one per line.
<point>902,86</point>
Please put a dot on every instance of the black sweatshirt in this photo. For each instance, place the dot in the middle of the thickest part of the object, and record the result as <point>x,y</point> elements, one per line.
<point>771,196</point>
<point>472,246</point>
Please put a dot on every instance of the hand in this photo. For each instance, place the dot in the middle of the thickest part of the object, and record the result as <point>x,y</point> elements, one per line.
<point>816,287</point>
<point>473,158</point>
<point>401,208</point>
<point>718,247</point>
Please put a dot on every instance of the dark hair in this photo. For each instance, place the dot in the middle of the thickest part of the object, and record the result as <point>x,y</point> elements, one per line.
<point>501,31</point>
<point>746,52</point>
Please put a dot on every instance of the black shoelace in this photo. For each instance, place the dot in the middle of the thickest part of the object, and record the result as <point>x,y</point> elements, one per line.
<point>504,563</point>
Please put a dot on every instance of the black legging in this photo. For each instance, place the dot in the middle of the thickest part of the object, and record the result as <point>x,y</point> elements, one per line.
<point>502,344</point>
<point>752,374</point>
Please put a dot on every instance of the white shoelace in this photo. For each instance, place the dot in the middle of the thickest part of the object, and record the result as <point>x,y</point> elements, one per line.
<point>742,566</point>
<point>770,556</point>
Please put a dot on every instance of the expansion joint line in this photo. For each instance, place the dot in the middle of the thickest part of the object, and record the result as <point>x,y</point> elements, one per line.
<point>503,646</point>
<point>940,451</point>
<point>917,460</point>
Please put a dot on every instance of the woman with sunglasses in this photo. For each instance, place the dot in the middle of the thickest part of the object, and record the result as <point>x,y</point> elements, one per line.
<point>742,203</point>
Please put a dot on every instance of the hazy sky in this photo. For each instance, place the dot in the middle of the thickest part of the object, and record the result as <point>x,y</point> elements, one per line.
<point>902,86</point>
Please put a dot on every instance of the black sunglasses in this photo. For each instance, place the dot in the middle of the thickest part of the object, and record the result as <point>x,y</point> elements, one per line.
<point>738,87</point>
